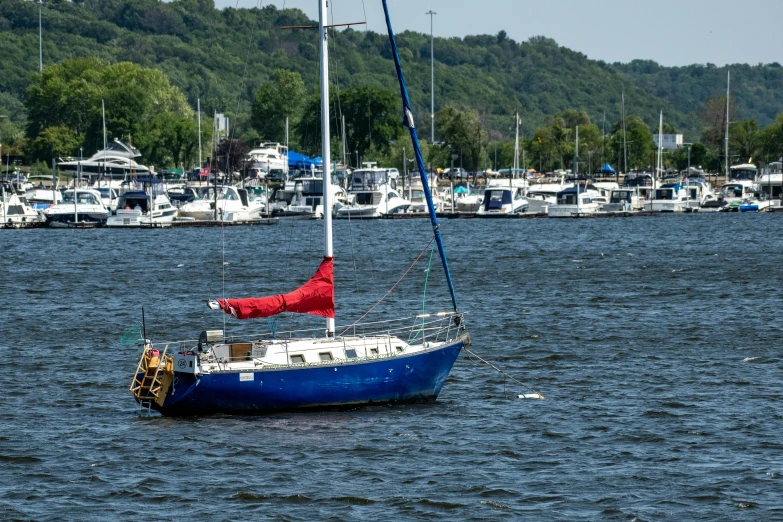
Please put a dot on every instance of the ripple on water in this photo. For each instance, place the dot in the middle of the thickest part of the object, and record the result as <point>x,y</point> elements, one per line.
<point>655,345</point>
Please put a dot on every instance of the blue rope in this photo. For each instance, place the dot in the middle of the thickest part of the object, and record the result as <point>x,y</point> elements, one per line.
<point>407,120</point>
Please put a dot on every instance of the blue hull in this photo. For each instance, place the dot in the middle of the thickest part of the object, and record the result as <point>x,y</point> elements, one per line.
<point>405,378</point>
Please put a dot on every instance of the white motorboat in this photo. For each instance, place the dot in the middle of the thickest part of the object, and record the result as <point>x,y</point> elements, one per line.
<point>43,193</point>
<point>307,201</point>
<point>503,200</point>
<point>79,207</point>
<point>373,193</point>
<point>231,204</point>
<point>143,204</point>
<point>670,197</point>
<point>540,195</point>
<point>590,201</point>
<point>624,200</point>
<point>268,156</point>
<point>14,208</point>
<point>770,182</point>
<point>111,166</point>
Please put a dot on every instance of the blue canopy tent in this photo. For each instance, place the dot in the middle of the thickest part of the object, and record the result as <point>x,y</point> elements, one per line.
<point>300,161</point>
<point>607,169</point>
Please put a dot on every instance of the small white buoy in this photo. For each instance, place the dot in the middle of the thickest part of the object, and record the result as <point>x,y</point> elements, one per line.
<point>531,396</point>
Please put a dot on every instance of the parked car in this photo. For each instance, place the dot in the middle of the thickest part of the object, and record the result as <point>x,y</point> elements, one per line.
<point>455,173</point>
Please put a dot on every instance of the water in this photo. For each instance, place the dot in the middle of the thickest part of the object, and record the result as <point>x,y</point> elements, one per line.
<point>655,341</point>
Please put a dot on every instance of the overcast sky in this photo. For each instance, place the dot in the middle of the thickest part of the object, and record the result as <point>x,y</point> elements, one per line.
<point>670,32</point>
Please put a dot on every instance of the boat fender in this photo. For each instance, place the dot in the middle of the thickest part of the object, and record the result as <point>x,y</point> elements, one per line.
<point>531,396</point>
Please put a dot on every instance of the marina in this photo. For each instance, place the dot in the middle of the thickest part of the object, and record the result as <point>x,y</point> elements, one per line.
<point>300,292</point>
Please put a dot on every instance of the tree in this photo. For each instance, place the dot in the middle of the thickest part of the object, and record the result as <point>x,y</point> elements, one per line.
<point>69,95</point>
<point>462,134</point>
<point>713,115</point>
<point>231,156</point>
<point>275,100</point>
<point>745,140</point>
<point>54,142</point>
<point>639,141</point>
<point>772,140</point>
<point>372,121</point>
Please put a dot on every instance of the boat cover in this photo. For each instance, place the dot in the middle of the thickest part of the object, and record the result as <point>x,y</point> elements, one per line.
<point>315,297</point>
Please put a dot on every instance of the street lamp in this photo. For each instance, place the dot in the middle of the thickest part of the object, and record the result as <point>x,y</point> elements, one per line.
<point>1,139</point>
<point>432,78</point>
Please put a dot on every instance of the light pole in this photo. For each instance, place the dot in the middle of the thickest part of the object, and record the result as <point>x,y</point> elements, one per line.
<point>432,78</point>
<point>688,186</point>
<point>1,140</point>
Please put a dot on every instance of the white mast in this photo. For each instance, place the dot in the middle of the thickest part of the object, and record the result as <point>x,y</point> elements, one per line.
<point>103,113</point>
<point>327,177</point>
<point>728,85</point>
<point>432,78</point>
<point>198,109</point>
<point>345,165</point>
<point>659,167</point>
<point>40,41</point>
<point>515,166</point>
<point>576,170</point>
<point>625,141</point>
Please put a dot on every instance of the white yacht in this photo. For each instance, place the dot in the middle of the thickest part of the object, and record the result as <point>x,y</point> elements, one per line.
<point>143,204</point>
<point>110,166</point>
<point>590,202</point>
<point>43,193</point>
<point>373,193</point>
<point>414,192</point>
<point>670,197</point>
<point>14,208</point>
<point>503,200</point>
<point>699,192</point>
<point>266,156</point>
<point>770,182</point>
<point>78,207</point>
<point>231,204</point>
<point>308,196</point>
<point>624,200</point>
<point>540,195</point>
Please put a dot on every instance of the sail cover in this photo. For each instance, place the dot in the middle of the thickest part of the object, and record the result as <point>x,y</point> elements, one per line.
<point>315,297</point>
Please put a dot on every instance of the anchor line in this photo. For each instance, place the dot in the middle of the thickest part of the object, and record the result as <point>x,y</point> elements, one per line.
<point>390,289</point>
<point>471,354</point>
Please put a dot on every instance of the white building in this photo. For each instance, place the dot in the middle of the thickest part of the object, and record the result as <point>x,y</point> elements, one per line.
<point>670,141</point>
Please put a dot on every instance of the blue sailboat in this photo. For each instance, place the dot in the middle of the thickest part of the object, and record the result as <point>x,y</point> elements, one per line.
<point>391,361</point>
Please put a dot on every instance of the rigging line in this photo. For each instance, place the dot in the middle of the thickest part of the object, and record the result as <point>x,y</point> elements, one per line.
<point>228,156</point>
<point>392,288</point>
<point>471,354</point>
<point>332,56</point>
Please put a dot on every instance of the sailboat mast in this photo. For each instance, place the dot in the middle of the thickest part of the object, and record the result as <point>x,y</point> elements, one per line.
<point>198,109</point>
<point>40,41</point>
<point>327,176</point>
<point>576,169</point>
<point>408,122</point>
<point>516,150</point>
<point>659,168</point>
<point>108,183</point>
<point>625,140</point>
<point>728,85</point>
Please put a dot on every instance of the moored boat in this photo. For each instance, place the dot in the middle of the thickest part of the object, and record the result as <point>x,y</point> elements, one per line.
<point>343,368</point>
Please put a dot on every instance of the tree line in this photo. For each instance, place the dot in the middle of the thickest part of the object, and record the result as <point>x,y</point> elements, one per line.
<point>63,107</point>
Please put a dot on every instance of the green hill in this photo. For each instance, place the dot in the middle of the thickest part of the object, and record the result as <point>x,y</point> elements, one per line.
<point>223,56</point>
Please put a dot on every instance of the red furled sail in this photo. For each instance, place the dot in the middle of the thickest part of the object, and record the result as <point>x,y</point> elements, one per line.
<point>316,297</point>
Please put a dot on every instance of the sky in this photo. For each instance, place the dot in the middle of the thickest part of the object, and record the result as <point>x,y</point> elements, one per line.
<point>669,32</point>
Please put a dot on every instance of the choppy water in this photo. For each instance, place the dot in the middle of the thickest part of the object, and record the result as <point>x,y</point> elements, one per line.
<point>655,340</point>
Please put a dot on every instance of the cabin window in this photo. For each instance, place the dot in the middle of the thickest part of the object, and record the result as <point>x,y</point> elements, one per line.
<point>350,353</point>
<point>399,349</point>
<point>325,356</point>
<point>373,351</point>
<point>296,359</point>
